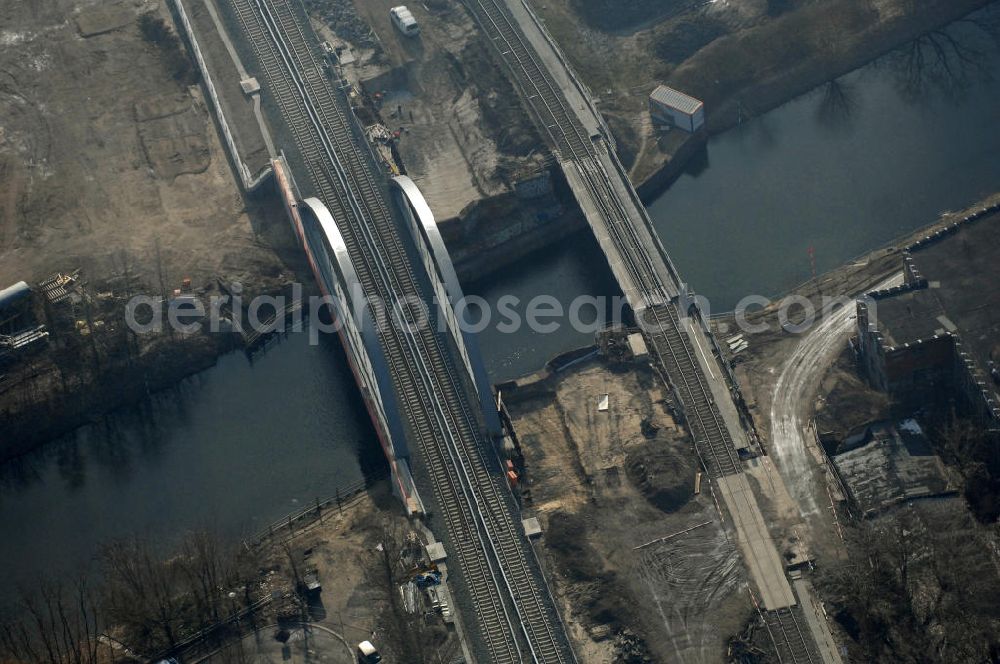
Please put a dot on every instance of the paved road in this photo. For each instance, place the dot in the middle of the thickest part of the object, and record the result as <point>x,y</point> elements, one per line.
<point>799,377</point>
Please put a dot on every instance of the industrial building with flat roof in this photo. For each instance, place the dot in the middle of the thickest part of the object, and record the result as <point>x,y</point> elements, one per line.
<point>887,464</point>
<point>935,340</point>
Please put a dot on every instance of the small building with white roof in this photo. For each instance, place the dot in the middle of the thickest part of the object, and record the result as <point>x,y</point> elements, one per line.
<point>675,109</point>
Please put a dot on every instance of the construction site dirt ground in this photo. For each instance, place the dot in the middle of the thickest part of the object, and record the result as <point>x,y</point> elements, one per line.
<point>464,133</point>
<point>103,151</point>
<point>335,547</point>
<point>605,482</point>
<point>795,500</point>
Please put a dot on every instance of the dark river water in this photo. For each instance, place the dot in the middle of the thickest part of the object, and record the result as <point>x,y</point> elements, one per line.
<point>233,448</point>
<point>842,170</point>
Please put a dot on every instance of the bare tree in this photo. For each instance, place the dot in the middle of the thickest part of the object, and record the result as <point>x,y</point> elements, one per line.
<point>150,599</point>
<point>202,565</point>
<point>55,622</point>
<point>210,571</point>
<point>141,593</point>
<point>976,453</point>
<point>948,60</point>
<point>920,586</point>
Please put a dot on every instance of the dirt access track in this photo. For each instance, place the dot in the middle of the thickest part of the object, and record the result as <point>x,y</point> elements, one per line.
<point>103,150</point>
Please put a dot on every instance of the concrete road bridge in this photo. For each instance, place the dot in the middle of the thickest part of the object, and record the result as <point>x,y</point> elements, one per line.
<point>674,329</point>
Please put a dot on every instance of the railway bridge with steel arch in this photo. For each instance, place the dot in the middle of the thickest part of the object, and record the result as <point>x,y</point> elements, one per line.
<point>371,238</point>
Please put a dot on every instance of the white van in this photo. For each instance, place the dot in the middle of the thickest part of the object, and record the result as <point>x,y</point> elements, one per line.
<point>367,654</point>
<point>403,19</point>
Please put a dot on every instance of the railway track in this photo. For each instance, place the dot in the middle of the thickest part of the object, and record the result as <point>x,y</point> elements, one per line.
<point>515,617</point>
<point>715,445</point>
<point>791,643</point>
<point>658,317</point>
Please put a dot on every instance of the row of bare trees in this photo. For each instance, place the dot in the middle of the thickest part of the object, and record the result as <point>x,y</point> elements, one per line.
<point>55,622</point>
<point>143,604</point>
<point>920,586</point>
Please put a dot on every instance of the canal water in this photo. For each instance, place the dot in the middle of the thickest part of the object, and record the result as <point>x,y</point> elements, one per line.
<point>841,170</point>
<point>232,449</point>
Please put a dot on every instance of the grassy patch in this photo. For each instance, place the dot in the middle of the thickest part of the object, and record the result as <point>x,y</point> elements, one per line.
<point>610,15</point>
<point>739,60</point>
<point>687,37</point>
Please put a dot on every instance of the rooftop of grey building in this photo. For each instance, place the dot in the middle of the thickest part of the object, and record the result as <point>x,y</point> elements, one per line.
<point>961,270</point>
